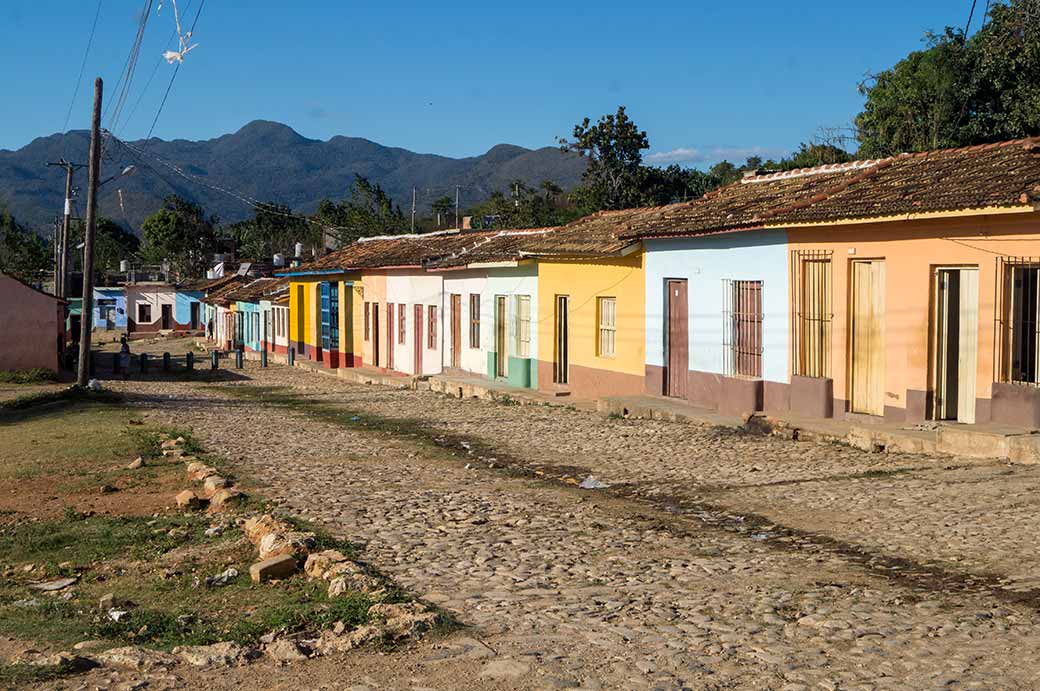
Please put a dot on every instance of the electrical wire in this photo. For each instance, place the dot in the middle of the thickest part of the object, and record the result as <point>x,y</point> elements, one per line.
<point>127,77</point>
<point>79,81</point>
<point>176,69</point>
<point>151,78</point>
<point>971,14</point>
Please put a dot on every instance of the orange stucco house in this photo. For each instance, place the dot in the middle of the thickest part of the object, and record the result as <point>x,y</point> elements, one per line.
<point>915,288</point>
<point>32,327</point>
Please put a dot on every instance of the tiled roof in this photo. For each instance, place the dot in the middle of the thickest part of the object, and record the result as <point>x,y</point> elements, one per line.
<point>257,289</point>
<point>205,285</point>
<point>1002,175</point>
<point>395,251</point>
<point>220,294</point>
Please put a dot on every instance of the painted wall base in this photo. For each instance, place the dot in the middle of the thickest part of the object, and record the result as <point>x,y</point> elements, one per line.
<point>1016,404</point>
<point>812,396</point>
<point>520,372</point>
<point>589,382</point>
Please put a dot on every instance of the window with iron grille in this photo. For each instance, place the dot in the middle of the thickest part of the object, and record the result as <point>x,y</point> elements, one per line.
<point>606,308</point>
<point>742,328</point>
<point>811,313</point>
<point>523,326</point>
<point>401,322</point>
<point>474,320</point>
<point>368,321</point>
<point>431,328</point>
<point>1018,321</point>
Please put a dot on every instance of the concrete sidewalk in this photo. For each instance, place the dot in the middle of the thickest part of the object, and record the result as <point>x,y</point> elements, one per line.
<point>1016,444</point>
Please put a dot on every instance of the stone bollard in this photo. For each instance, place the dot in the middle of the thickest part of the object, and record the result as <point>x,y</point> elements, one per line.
<point>115,363</point>
<point>214,359</point>
<point>144,363</point>
<point>238,359</point>
<point>292,357</point>
<point>189,360</point>
<point>165,362</point>
<point>263,358</point>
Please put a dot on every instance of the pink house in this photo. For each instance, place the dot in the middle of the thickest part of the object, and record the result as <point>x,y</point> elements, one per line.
<point>32,326</point>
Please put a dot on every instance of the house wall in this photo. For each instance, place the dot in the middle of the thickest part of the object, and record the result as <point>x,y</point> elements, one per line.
<point>118,322</point>
<point>510,283</point>
<point>705,263</point>
<point>183,300</point>
<point>374,292</point>
<point>155,296</point>
<point>410,287</point>
<point>31,327</point>
<point>592,376</point>
<point>304,307</point>
<point>465,283</point>
<point>911,251</point>
<point>282,317</point>
<point>251,330</point>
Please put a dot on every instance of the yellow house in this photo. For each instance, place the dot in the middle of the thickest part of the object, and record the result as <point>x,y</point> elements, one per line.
<point>591,320</point>
<point>324,320</point>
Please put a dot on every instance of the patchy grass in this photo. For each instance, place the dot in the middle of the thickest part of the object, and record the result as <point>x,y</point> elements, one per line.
<point>155,562</point>
<point>28,376</point>
<point>71,395</point>
<point>157,574</point>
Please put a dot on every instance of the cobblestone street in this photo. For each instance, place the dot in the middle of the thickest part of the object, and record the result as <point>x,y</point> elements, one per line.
<point>714,560</point>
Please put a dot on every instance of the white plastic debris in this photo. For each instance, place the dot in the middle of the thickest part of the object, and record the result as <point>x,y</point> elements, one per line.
<point>117,614</point>
<point>94,385</point>
<point>592,482</point>
<point>221,579</point>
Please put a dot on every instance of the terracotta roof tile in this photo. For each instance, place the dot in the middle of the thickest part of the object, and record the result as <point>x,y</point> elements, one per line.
<point>978,177</point>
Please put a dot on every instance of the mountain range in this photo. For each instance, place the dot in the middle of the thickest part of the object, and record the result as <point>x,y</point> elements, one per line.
<point>266,161</point>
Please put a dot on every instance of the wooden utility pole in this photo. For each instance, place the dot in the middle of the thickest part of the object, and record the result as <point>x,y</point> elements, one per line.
<point>94,172</point>
<point>456,207</point>
<point>61,270</point>
<point>413,210</point>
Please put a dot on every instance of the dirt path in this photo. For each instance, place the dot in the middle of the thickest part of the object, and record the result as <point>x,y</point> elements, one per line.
<point>637,586</point>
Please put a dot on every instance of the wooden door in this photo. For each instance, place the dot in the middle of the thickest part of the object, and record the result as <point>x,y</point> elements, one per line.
<point>194,309</point>
<point>956,332</point>
<point>167,317</point>
<point>968,356</point>
<point>561,337</point>
<point>301,320</point>
<point>868,337</point>
<point>389,335</point>
<point>418,316</point>
<point>375,334</point>
<point>677,339</point>
<point>456,330</point>
<point>501,331</point>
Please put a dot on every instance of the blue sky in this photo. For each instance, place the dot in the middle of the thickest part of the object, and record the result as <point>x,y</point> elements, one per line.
<point>706,80</point>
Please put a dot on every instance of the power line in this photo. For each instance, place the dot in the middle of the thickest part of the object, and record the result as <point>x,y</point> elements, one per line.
<point>176,69</point>
<point>151,78</point>
<point>971,14</point>
<point>79,80</point>
<point>127,78</point>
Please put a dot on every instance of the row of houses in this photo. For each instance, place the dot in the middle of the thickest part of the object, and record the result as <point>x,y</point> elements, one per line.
<point>906,288</point>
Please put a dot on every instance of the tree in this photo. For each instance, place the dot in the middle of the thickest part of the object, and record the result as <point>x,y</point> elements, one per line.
<point>112,244</point>
<point>442,206</point>
<point>525,207</point>
<point>959,91</point>
<point>613,147</point>
<point>367,213</point>
<point>23,254</point>
<point>274,229</point>
<point>182,234</point>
